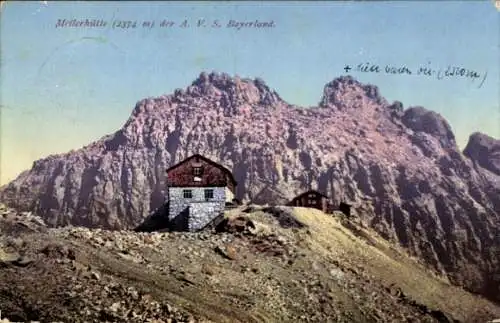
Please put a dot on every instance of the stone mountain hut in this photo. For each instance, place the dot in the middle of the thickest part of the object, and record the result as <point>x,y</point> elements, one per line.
<point>198,190</point>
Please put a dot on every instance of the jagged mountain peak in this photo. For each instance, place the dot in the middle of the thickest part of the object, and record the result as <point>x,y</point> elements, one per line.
<point>345,91</point>
<point>224,81</point>
<point>212,91</point>
<point>217,86</point>
<point>484,150</point>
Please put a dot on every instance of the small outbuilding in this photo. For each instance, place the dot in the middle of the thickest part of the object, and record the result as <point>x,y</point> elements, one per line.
<point>345,208</point>
<point>313,199</point>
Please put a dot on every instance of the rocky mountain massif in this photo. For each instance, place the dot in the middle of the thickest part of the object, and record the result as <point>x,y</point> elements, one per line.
<point>400,168</point>
<point>271,264</point>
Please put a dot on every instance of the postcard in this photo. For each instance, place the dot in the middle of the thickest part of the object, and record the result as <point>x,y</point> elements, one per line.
<point>255,161</point>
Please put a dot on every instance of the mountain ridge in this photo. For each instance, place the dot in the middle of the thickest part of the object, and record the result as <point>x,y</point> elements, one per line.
<point>400,168</point>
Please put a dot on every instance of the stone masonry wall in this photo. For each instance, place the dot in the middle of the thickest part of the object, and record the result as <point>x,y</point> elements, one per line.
<point>201,211</point>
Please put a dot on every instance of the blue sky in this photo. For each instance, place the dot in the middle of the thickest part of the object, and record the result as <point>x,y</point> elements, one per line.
<point>62,88</point>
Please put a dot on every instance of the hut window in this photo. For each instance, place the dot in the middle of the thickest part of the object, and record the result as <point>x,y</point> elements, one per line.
<point>312,202</point>
<point>311,195</point>
<point>188,194</point>
<point>197,171</point>
<point>209,194</point>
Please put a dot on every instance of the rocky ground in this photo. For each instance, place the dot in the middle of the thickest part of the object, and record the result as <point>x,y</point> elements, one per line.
<point>272,264</point>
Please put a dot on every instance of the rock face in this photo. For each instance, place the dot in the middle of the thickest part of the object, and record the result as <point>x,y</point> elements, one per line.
<point>400,169</point>
<point>485,151</point>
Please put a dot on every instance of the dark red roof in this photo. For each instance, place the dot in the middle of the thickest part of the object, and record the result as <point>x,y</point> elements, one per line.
<point>224,169</point>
